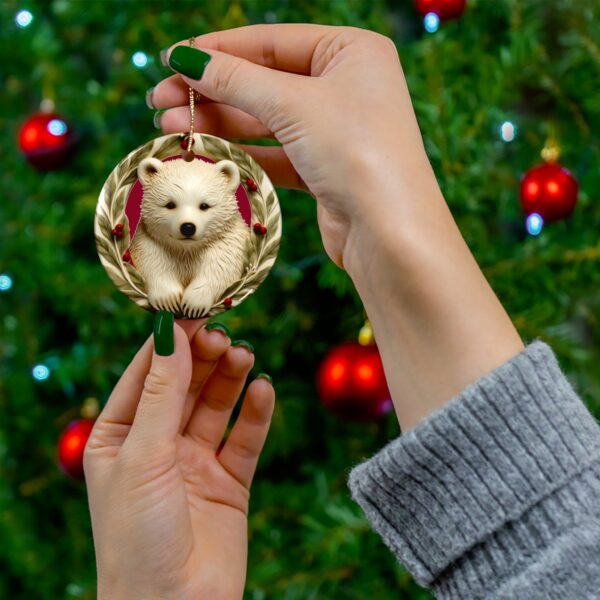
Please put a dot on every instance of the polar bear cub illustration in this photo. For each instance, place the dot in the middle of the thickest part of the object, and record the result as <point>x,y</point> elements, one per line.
<point>191,242</point>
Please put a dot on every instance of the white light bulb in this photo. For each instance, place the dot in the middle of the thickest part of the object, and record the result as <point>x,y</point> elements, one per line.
<point>508,131</point>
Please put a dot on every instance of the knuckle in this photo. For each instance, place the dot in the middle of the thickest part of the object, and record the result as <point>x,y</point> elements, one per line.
<point>155,388</point>
<point>227,75</point>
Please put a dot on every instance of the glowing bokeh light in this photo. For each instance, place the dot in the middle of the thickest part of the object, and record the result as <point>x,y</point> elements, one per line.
<point>23,18</point>
<point>431,22</point>
<point>534,224</point>
<point>57,127</point>
<point>5,282</point>
<point>40,372</point>
<point>508,131</point>
<point>139,59</point>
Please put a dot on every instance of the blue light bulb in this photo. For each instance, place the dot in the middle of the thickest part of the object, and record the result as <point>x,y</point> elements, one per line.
<point>534,224</point>
<point>431,22</point>
<point>5,282</point>
<point>40,372</point>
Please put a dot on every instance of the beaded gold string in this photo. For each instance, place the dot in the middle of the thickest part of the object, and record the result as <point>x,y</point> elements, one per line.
<point>194,96</point>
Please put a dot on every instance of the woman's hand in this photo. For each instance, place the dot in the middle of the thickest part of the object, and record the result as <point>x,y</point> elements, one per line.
<point>334,97</point>
<point>337,101</point>
<point>168,507</point>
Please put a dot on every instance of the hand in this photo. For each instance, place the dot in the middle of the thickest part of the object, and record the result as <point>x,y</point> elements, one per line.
<point>334,97</point>
<point>337,100</point>
<point>169,510</point>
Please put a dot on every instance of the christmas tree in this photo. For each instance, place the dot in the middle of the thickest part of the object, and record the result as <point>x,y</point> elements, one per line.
<point>491,87</point>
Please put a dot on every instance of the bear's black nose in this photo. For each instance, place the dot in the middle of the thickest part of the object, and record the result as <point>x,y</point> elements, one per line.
<point>188,229</point>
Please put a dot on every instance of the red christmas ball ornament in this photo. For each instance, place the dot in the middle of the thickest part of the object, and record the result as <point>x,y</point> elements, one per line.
<point>47,142</point>
<point>71,445</point>
<point>351,383</point>
<point>444,9</point>
<point>550,191</point>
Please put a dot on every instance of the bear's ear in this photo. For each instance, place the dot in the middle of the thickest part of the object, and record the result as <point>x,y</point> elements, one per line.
<point>231,172</point>
<point>148,168</point>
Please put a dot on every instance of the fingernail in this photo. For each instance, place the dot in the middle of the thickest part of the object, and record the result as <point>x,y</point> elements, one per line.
<point>156,119</point>
<point>164,337</point>
<point>149,102</point>
<point>163,57</point>
<point>265,376</point>
<point>244,344</point>
<point>189,61</point>
<point>217,327</point>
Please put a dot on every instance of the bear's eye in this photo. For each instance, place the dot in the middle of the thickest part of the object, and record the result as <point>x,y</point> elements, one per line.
<point>204,206</point>
<point>170,205</point>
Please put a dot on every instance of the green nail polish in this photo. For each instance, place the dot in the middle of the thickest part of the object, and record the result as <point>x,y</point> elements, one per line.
<point>265,376</point>
<point>164,337</point>
<point>218,327</point>
<point>189,61</point>
<point>149,103</point>
<point>244,344</point>
<point>163,57</point>
<point>156,119</point>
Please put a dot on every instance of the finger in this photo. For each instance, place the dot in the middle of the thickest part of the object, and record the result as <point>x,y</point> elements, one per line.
<point>191,326</point>
<point>287,47</point>
<point>215,119</point>
<point>277,165</point>
<point>171,91</point>
<point>122,403</point>
<point>264,93</point>
<point>160,408</point>
<point>208,345</point>
<point>221,391</point>
<point>245,443</point>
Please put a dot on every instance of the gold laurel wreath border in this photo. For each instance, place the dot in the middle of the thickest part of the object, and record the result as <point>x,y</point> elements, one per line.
<point>111,211</point>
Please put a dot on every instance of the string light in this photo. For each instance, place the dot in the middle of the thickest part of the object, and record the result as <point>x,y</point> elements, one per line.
<point>57,127</point>
<point>139,59</point>
<point>23,18</point>
<point>508,131</point>
<point>5,282</point>
<point>534,224</point>
<point>40,372</point>
<point>431,22</point>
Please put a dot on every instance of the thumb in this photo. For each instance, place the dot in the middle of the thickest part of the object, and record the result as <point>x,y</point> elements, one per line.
<point>259,91</point>
<point>160,408</point>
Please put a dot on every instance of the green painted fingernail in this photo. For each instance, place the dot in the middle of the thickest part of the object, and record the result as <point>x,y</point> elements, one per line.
<point>189,61</point>
<point>149,102</point>
<point>163,57</point>
<point>156,119</point>
<point>245,344</point>
<point>265,376</point>
<point>218,327</point>
<point>164,337</point>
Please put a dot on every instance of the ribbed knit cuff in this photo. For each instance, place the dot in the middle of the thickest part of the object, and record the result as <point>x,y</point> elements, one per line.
<point>481,478</point>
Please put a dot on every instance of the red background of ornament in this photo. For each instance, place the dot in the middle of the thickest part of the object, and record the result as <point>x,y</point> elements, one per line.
<point>133,207</point>
<point>71,445</point>
<point>351,382</point>
<point>549,190</point>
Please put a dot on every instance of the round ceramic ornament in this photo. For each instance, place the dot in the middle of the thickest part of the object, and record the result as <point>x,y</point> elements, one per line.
<point>188,223</point>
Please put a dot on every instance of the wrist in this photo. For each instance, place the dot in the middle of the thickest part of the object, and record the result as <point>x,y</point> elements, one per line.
<point>437,322</point>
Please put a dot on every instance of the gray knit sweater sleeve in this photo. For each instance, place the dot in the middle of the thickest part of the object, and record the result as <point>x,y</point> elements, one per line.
<point>497,494</point>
